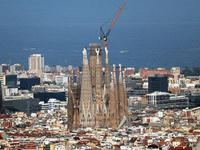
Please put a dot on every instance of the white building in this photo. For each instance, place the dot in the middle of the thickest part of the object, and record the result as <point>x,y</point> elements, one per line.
<point>165,100</point>
<point>61,79</point>
<point>62,105</point>
<point>53,104</point>
<point>36,62</point>
<point>10,91</point>
<point>59,68</point>
<point>16,67</point>
<point>4,67</point>
<point>145,85</point>
<point>47,68</point>
<point>70,67</point>
<point>44,106</point>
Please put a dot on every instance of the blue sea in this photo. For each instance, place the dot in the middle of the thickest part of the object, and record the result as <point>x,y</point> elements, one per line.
<point>147,33</point>
<point>132,45</point>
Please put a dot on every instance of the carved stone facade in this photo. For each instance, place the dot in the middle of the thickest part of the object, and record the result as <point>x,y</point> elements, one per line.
<point>102,104</point>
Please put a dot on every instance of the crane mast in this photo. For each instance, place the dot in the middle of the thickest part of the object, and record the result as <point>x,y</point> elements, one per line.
<point>103,36</point>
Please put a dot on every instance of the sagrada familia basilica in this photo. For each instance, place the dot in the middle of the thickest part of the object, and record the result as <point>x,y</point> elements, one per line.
<point>97,99</point>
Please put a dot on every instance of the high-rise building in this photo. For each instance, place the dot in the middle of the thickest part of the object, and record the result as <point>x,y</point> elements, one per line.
<point>9,80</point>
<point>158,83</point>
<point>16,67</point>
<point>27,83</point>
<point>36,62</point>
<point>4,67</point>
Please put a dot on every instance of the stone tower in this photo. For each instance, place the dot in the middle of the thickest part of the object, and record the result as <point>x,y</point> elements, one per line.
<point>78,84</point>
<point>107,85</point>
<point>125,98</point>
<point>116,95</point>
<point>112,118</point>
<point>93,62</point>
<point>121,95</point>
<point>70,111</point>
<point>86,102</point>
<point>107,74</point>
<point>99,105</point>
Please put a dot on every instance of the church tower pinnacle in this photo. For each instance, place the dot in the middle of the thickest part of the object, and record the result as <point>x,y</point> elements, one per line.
<point>116,95</point>
<point>85,109</point>
<point>121,95</point>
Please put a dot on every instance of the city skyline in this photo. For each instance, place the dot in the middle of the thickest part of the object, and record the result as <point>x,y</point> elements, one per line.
<point>96,106</point>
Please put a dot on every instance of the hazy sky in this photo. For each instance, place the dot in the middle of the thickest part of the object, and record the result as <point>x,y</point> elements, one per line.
<point>151,29</point>
<point>95,11</point>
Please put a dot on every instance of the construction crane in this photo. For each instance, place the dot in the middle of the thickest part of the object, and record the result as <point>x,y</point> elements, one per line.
<point>103,36</point>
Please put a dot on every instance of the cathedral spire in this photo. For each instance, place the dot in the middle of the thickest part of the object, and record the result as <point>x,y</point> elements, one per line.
<point>125,98</point>
<point>98,93</point>
<point>78,84</point>
<point>72,78</point>
<point>113,122</point>
<point>85,112</point>
<point>121,95</point>
<point>70,110</point>
<point>107,74</point>
<point>116,95</point>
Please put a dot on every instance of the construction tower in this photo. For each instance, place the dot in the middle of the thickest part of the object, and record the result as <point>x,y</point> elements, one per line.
<point>99,106</point>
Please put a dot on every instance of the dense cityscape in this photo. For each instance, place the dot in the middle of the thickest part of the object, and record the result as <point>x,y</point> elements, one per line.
<point>54,107</point>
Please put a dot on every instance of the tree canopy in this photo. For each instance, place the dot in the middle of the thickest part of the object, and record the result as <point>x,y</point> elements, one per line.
<point>194,72</point>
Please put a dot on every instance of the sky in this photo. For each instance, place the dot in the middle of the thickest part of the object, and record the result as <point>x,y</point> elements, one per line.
<point>25,19</point>
<point>90,11</point>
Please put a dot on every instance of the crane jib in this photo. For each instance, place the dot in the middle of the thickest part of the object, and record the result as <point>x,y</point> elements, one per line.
<point>105,35</point>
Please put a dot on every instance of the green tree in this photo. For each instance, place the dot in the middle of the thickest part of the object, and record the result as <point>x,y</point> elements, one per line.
<point>187,72</point>
<point>196,71</point>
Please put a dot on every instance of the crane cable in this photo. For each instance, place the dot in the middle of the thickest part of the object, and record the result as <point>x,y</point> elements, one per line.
<point>110,18</point>
<point>101,28</point>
